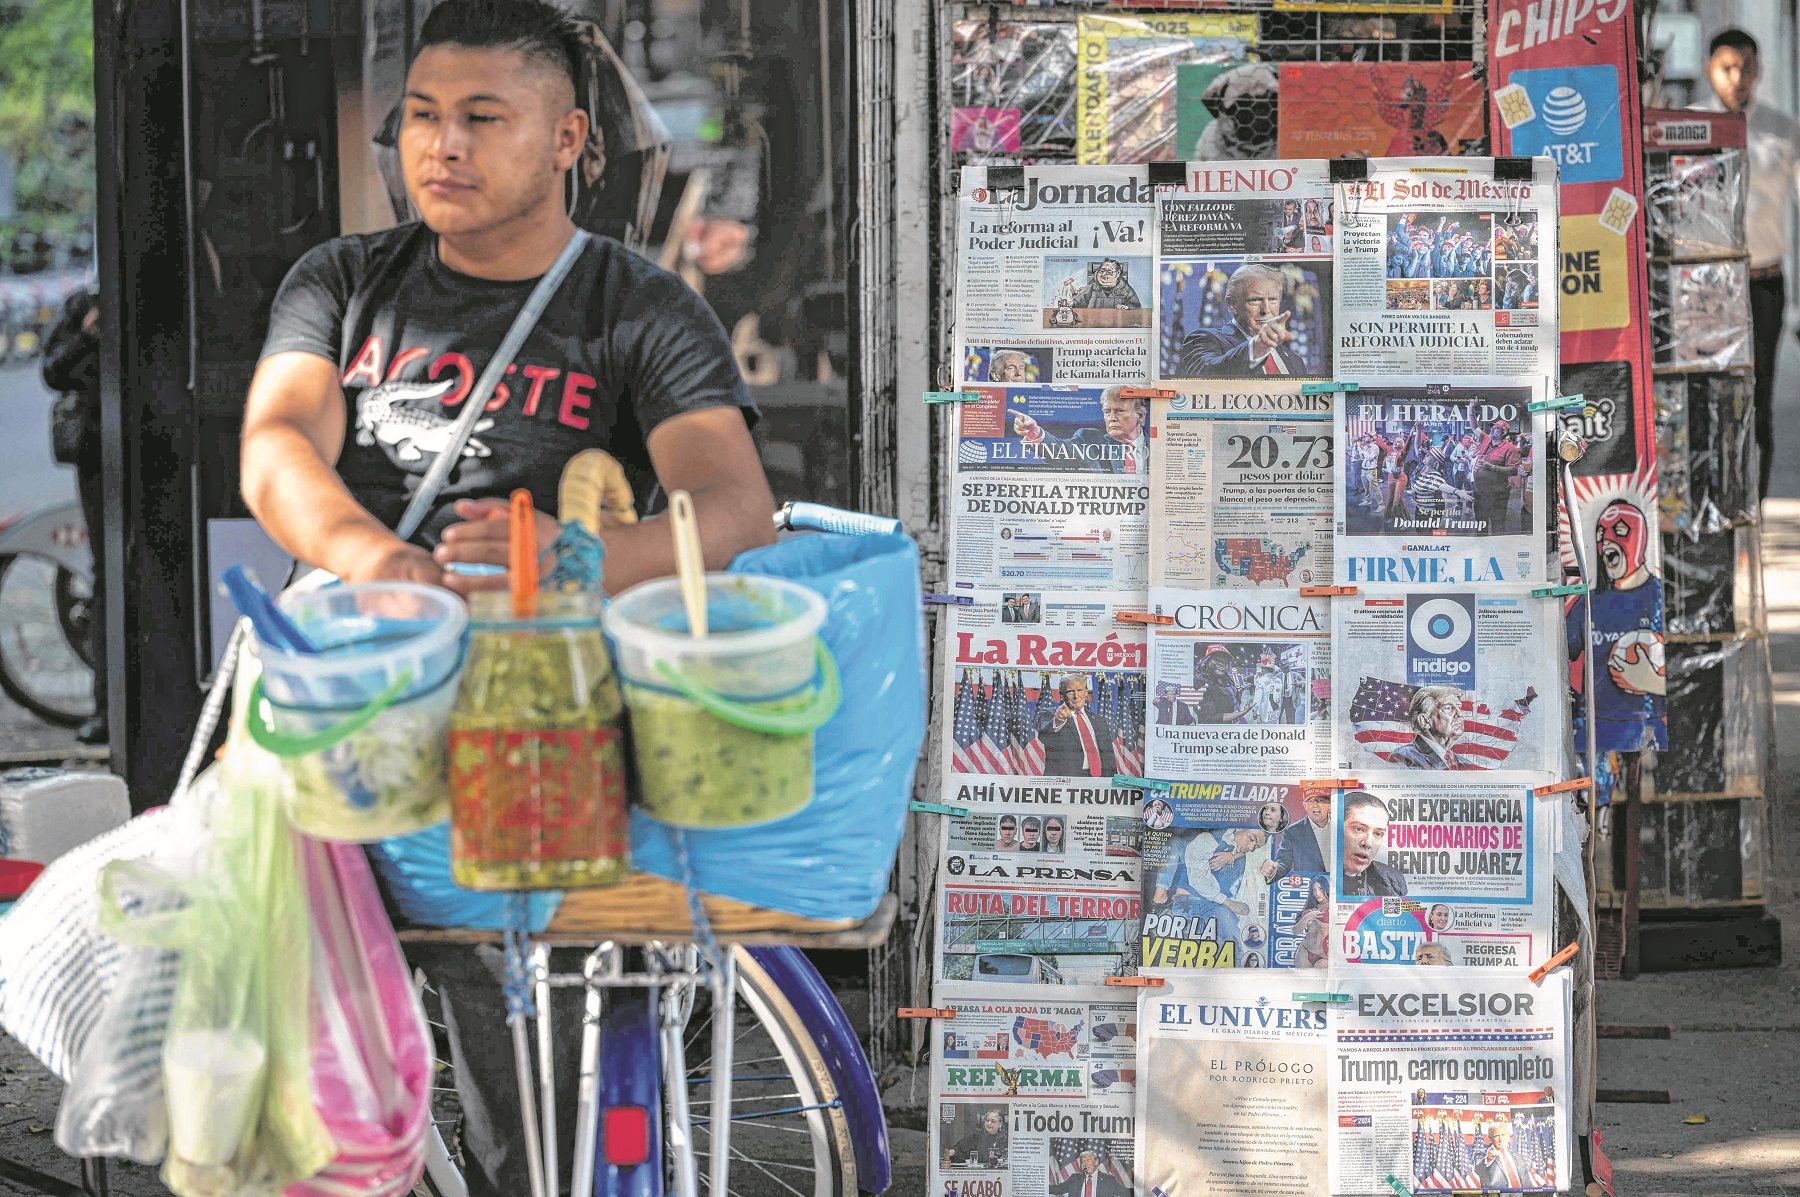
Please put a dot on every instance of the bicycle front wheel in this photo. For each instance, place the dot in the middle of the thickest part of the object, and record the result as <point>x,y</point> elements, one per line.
<point>41,668</point>
<point>789,1136</point>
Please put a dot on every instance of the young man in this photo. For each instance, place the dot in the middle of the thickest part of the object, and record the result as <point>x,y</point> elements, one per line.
<point>1733,67</point>
<point>374,343</point>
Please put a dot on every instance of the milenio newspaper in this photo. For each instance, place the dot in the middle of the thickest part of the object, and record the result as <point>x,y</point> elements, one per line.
<point>1241,480</point>
<point>1029,1098</point>
<point>1445,273</point>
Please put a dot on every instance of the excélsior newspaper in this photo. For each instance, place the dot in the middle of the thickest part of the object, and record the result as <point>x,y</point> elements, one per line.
<point>1435,875</point>
<point>1030,1098</point>
<point>1039,883</point>
<point>1445,273</point>
<point>1240,487</point>
<point>1434,681</point>
<point>1240,686</point>
<point>1440,485</point>
<point>1233,1087</point>
<point>1244,272</point>
<point>1444,1081</point>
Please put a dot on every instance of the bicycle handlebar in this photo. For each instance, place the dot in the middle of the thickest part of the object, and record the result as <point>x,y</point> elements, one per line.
<point>818,517</point>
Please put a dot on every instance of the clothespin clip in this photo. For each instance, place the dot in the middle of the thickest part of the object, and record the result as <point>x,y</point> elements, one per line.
<point>953,396</point>
<point>1394,1184</point>
<point>1557,403</point>
<point>938,808</point>
<point>1137,982</point>
<point>958,600</point>
<point>1331,783</point>
<point>1326,388</point>
<point>1557,591</point>
<point>1145,393</point>
<point>1563,787</point>
<point>1143,617</point>
<point>1139,783</point>
<point>1562,957</point>
<point>1325,591</point>
<point>925,1012</point>
<point>1330,999</point>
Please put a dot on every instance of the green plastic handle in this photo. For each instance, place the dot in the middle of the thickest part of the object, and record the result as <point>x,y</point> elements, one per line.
<point>286,744</point>
<point>789,721</point>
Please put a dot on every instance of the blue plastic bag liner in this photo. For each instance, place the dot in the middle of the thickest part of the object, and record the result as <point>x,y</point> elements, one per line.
<point>830,860</point>
<point>415,874</point>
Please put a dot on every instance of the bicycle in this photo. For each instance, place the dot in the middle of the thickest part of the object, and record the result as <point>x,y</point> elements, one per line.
<point>46,603</point>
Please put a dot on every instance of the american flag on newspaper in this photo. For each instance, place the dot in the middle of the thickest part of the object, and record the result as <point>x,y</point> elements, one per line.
<point>1378,713</point>
<point>1113,1156</point>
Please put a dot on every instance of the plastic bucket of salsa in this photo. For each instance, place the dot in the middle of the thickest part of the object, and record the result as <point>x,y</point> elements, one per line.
<point>362,725</point>
<point>722,726</point>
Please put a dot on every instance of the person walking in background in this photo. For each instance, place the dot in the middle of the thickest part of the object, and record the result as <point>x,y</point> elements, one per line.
<point>1734,64</point>
<point>71,366</point>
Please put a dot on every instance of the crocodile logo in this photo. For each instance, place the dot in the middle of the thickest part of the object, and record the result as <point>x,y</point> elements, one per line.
<point>386,415</point>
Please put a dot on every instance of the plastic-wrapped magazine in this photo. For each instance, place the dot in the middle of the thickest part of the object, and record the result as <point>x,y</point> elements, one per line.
<point>1434,876</point>
<point>1445,273</point>
<point>1706,452</point>
<point>1237,875</point>
<point>1695,182</point>
<point>1240,487</point>
<point>1012,87</point>
<point>1442,1081</point>
<point>1434,682</point>
<point>1244,273</point>
<point>1240,686</point>
<point>1439,485</point>
<point>1126,83</point>
<point>1700,314</point>
<point>1033,1097</point>
<point>1380,109</point>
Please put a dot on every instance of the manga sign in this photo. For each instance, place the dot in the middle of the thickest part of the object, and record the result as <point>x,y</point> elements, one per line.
<point>1233,1088</point>
<point>1439,485</point>
<point>1435,876</point>
<point>1244,272</point>
<point>1444,272</point>
<point>1033,1098</point>
<point>1431,681</point>
<point>1441,1083</point>
<point>1240,685</point>
<point>1237,875</point>
<point>1240,487</point>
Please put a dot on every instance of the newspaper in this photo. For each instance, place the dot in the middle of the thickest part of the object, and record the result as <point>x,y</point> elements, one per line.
<point>1446,877</point>
<point>1237,875</point>
<point>1054,429</point>
<point>1442,1083</point>
<point>1039,882</point>
<point>1434,680</point>
<point>1244,272</point>
<point>1240,487</point>
<point>1029,1098</point>
<point>1240,686</point>
<point>1442,272</point>
<point>1037,531</point>
<point>1233,1088</point>
<point>1053,277</point>
<point>1440,485</point>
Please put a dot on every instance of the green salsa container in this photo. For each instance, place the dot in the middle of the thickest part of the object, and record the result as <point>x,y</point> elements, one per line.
<point>537,757</point>
<point>722,725</point>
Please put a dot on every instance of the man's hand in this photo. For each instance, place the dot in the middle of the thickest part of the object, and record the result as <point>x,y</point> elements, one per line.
<point>1221,858</point>
<point>1269,870</point>
<point>1237,908</point>
<point>1270,337</point>
<point>1161,896</point>
<point>395,562</point>
<point>484,539</point>
<point>1028,429</point>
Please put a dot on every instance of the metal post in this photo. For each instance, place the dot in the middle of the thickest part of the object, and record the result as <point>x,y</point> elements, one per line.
<point>724,990</point>
<point>678,1125</point>
<point>587,1095</point>
<point>1634,816</point>
<point>540,970</point>
<point>534,1160</point>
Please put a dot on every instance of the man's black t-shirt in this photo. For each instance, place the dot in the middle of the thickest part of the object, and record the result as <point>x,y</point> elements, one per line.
<point>623,346</point>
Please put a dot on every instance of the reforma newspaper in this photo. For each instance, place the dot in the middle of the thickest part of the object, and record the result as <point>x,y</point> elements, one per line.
<point>1451,877</point>
<point>1054,277</point>
<point>1445,273</point>
<point>1434,681</point>
<point>1440,485</point>
<point>1233,1087</point>
<point>1240,686</point>
<point>1241,487</point>
<point>1039,882</point>
<point>1029,1099</point>
<point>1244,272</point>
<point>1444,1081</point>
<point>1237,874</point>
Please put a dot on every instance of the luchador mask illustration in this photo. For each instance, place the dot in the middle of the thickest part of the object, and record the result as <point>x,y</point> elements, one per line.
<point>1624,539</point>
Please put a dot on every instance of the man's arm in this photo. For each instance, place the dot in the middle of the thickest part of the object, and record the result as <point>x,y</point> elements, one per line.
<point>293,432</point>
